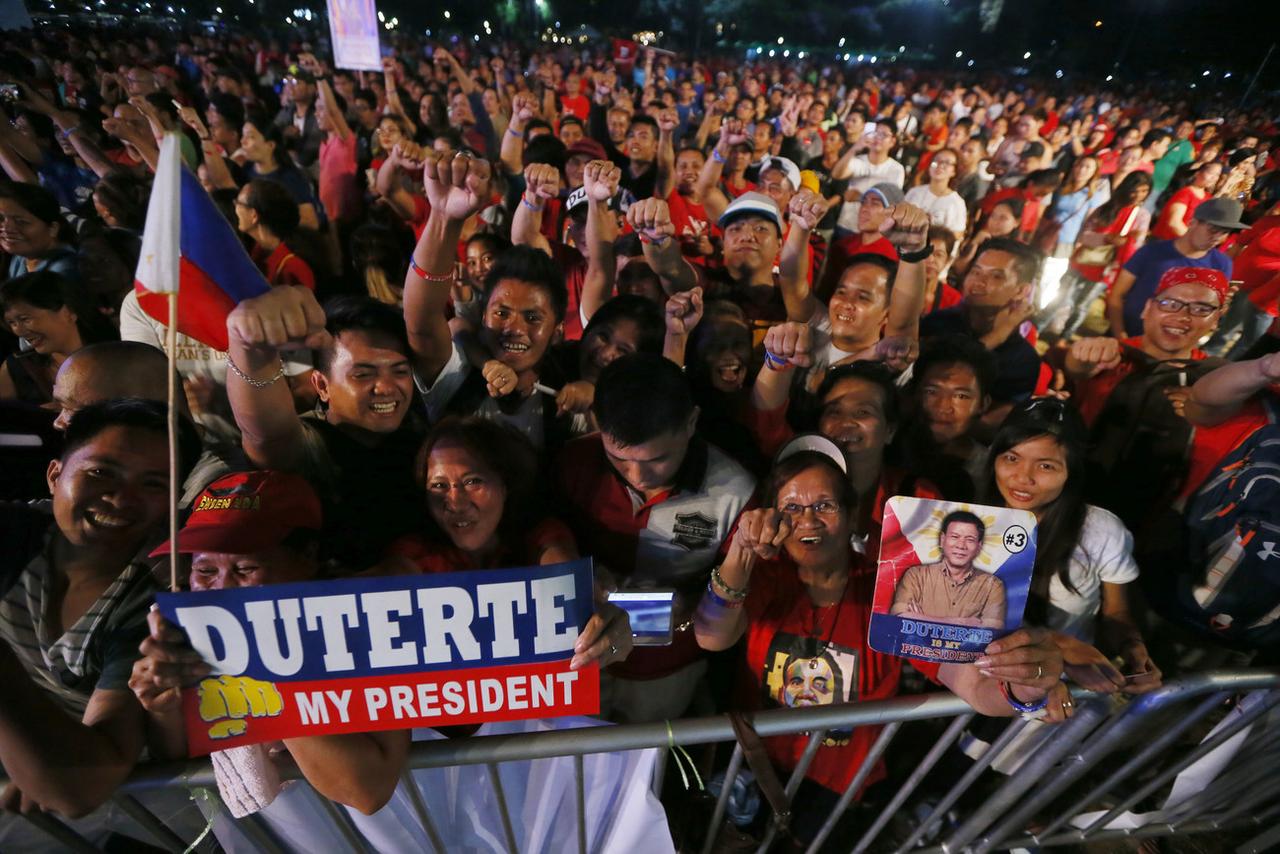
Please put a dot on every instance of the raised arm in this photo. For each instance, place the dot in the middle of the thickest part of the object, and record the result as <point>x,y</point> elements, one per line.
<point>718,623</point>
<point>786,346</point>
<point>907,228</point>
<point>651,219</point>
<point>600,178</point>
<point>541,184</point>
<point>707,191</point>
<point>523,111</point>
<point>219,174</point>
<point>457,187</point>
<point>851,164</point>
<point>340,126</point>
<point>806,210</point>
<point>683,313</point>
<point>1218,395</point>
<point>258,330</point>
<point>668,119</point>
<point>387,184</point>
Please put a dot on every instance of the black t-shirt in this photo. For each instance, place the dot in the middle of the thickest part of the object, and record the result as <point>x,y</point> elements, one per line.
<point>1018,363</point>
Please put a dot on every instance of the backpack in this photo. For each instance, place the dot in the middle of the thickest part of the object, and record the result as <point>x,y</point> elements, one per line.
<point>1139,441</point>
<point>1228,584</point>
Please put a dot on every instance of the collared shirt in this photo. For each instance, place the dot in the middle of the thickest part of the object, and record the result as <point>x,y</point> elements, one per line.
<point>670,540</point>
<point>935,595</point>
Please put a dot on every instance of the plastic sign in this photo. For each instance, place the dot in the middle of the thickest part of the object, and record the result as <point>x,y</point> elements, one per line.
<point>952,578</point>
<point>363,654</point>
<point>353,27</point>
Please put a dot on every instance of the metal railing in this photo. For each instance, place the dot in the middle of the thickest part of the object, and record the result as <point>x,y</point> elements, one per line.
<point>1108,758</point>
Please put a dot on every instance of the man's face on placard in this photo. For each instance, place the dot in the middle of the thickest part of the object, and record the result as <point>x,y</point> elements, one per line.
<point>961,543</point>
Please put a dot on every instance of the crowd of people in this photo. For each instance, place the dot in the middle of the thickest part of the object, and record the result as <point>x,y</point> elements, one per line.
<point>697,320</point>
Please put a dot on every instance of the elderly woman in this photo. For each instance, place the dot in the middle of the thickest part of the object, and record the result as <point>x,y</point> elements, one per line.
<point>55,320</point>
<point>795,587</point>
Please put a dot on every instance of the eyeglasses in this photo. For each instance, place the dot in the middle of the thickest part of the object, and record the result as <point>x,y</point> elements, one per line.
<point>1169,305</point>
<point>820,508</point>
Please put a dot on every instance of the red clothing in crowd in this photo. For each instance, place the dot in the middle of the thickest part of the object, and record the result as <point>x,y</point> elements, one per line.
<point>339,185</point>
<point>691,222</point>
<point>1210,445</point>
<point>1188,196</point>
<point>799,654</point>
<point>283,267</point>
<point>1258,264</point>
<point>1091,394</point>
<point>574,266</point>
<point>844,249</point>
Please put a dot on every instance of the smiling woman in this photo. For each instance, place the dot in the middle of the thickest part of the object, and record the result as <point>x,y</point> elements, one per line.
<point>49,315</point>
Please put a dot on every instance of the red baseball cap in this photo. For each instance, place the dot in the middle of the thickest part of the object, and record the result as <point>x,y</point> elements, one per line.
<point>248,512</point>
<point>587,146</point>
<point>1210,278</point>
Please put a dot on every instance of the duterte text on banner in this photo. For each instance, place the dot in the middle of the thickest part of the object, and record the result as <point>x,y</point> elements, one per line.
<point>362,654</point>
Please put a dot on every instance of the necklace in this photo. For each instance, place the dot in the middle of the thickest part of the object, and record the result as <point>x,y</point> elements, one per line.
<point>813,648</point>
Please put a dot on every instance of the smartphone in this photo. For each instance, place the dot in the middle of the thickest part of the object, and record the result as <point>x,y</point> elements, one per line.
<point>9,92</point>
<point>650,614</point>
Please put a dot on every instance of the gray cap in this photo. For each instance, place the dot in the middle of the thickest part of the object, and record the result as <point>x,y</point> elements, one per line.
<point>890,194</point>
<point>1222,213</point>
<point>757,204</point>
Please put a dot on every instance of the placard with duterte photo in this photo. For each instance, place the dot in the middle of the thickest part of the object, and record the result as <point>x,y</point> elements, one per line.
<point>953,577</point>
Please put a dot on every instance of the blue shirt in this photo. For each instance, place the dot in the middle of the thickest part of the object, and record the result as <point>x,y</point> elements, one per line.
<point>1070,211</point>
<point>1151,262</point>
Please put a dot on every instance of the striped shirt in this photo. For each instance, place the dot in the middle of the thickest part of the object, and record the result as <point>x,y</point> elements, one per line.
<point>97,651</point>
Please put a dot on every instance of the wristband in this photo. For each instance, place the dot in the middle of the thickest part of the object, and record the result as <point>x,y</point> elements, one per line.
<point>1029,709</point>
<point>917,256</point>
<point>717,599</point>
<point>717,156</point>
<point>651,242</point>
<point>430,277</point>
<point>774,362</point>
<point>530,205</point>
<point>67,133</point>
<point>514,132</point>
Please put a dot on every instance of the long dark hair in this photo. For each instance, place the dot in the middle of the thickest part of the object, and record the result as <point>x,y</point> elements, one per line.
<point>1123,196</point>
<point>1058,531</point>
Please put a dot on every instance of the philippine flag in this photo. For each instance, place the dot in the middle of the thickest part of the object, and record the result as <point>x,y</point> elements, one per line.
<point>190,249</point>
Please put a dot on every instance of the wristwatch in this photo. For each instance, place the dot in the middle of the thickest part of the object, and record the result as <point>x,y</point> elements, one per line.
<point>917,256</point>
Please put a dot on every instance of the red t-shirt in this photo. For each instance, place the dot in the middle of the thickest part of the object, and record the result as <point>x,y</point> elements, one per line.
<point>283,267</point>
<point>574,266</point>
<point>844,249</point>
<point>734,192</point>
<point>798,654</point>
<point>339,186</point>
<point>1091,394</point>
<point>432,556</point>
<point>945,297</point>
<point>1188,196</point>
<point>576,105</point>
<point>1210,444</point>
<point>691,222</point>
<point>1258,264</point>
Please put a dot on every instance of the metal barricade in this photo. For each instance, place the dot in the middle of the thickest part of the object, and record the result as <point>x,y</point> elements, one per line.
<point>1106,760</point>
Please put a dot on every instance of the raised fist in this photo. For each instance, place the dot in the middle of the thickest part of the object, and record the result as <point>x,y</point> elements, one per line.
<point>524,107</point>
<point>668,120</point>
<point>807,209</point>
<point>651,218</point>
<point>600,178</point>
<point>683,311</point>
<point>228,701</point>
<point>906,226</point>
<point>1092,356</point>
<point>733,133</point>
<point>762,532</point>
<point>283,316</point>
<point>457,185</point>
<point>790,342</point>
<point>542,181</point>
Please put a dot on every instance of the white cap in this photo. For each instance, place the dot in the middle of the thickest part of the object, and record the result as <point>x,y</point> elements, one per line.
<point>752,203</point>
<point>786,166</point>
<point>817,444</point>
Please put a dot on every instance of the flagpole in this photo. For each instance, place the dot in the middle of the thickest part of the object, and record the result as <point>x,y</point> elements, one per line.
<point>171,345</point>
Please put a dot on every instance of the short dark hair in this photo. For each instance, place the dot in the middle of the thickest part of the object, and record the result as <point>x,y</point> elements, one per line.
<point>798,462</point>
<point>534,267</point>
<point>230,108</point>
<point>946,235</point>
<point>351,313</point>
<point>570,120</point>
<point>274,205</point>
<point>867,371</point>
<point>963,517</point>
<point>649,121</point>
<point>640,397</point>
<point>957,349</point>
<point>136,414</point>
<point>48,290</point>
<point>1026,260</point>
<point>1153,136</point>
<point>644,313</point>
<point>37,201</point>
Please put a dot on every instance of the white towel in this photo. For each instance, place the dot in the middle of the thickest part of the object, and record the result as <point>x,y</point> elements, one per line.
<point>247,778</point>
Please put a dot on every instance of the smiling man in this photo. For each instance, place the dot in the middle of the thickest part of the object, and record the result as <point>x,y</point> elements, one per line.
<point>76,588</point>
<point>359,452</point>
<point>953,590</point>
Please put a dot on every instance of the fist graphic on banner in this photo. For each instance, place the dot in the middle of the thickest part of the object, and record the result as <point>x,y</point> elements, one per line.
<point>227,701</point>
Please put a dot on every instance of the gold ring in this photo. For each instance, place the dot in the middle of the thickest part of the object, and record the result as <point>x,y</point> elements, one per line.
<point>1039,670</point>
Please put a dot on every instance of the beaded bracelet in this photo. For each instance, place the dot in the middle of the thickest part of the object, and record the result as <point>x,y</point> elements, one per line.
<point>731,592</point>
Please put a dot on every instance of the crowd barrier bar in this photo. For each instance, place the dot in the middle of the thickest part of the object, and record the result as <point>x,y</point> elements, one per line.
<point>1248,796</point>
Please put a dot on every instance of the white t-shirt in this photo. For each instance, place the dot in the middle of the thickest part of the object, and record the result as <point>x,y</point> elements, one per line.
<point>1103,554</point>
<point>947,211</point>
<point>866,175</point>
